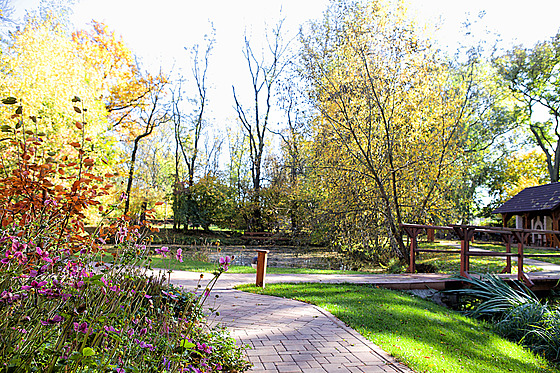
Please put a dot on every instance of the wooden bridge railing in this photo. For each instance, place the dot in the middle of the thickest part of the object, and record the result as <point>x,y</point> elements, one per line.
<point>466,233</point>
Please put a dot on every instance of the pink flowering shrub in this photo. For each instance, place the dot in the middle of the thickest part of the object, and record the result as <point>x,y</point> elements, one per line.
<point>62,307</point>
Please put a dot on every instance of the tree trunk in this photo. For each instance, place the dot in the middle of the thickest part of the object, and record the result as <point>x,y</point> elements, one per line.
<point>130,175</point>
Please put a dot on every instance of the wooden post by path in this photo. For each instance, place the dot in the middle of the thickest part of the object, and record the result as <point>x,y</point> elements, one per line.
<point>261,267</point>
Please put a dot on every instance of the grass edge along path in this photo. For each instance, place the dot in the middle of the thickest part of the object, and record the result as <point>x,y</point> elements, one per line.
<point>192,265</point>
<point>424,336</point>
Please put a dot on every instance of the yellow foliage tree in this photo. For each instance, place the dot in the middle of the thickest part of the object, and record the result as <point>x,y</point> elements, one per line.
<point>44,72</point>
<point>133,100</point>
<point>45,66</point>
<point>390,126</point>
<point>519,171</point>
<point>123,87</point>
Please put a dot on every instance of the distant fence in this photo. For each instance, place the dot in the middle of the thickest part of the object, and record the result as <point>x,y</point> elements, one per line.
<point>465,233</point>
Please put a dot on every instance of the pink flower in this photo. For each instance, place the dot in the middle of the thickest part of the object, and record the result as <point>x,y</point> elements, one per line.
<point>203,347</point>
<point>8,256</point>
<point>78,284</point>
<point>8,297</point>
<point>44,255</point>
<point>179,255</point>
<point>81,328</point>
<point>34,284</point>
<point>111,329</point>
<point>163,251</point>
<point>144,344</point>
<point>84,273</point>
<point>20,257</point>
<point>55,320</point>
<point>18,246</point>
<point>225,262</point>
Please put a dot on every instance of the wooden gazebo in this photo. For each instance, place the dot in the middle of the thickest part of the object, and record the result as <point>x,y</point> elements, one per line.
<point>535,208</point>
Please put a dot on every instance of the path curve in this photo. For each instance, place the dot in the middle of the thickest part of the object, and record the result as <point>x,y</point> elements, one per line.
<point>286,335</point>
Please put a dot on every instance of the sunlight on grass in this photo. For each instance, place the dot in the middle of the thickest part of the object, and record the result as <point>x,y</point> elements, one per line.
<point>423,335</point>
<point>449,263</point>
<point>202,266</point>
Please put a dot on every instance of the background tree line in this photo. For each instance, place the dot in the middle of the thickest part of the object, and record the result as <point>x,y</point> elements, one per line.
<point>356,125</point>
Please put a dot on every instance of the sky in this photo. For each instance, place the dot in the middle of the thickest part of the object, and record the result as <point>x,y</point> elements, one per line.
<point>158,32</point>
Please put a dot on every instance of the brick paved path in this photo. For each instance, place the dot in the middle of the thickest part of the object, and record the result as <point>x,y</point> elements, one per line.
<point>291,336</point>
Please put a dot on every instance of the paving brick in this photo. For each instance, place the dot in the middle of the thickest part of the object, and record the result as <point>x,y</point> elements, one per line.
<point>331,368</point>
<point>269,366</point>
<point>337,359</point>
<point>269,358</point>
<point>314,370</point>
<point>288,368</point>
<point>292,336</point>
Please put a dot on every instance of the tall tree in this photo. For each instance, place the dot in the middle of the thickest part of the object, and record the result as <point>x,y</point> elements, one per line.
<point>533,76</point>
<point>264,73</point>
<point>390,121</point>
<point>133,100</point>
<point>188,138</point>
<point>189,122</point>
<point>147,115</point>
<point>293,136</point>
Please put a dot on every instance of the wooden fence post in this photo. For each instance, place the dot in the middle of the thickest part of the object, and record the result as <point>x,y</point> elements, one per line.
<point>465,235</point>
<point>413,233</point>
<point>431,233</point>
<point>261,267</point>
<point>521,238</point>
<point>508,239</point>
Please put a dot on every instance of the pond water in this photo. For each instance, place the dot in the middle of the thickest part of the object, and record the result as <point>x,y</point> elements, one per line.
<point>278,256</point>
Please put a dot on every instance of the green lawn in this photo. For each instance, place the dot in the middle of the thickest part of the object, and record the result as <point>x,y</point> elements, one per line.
<point>421,334</point>
<point>526,250</point>
<point>194,265</point>
<point>449,263</point>
<point>445,263</point>
<point>202,266</point>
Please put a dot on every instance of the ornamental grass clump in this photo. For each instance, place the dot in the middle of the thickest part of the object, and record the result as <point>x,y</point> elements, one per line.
<point>62,307</point>
<point>516,313</point>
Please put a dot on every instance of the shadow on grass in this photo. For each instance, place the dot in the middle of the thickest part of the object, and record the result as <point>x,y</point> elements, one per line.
<point>427,337</point>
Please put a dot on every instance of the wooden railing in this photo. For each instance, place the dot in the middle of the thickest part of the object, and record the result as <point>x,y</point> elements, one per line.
<point>466,232</point>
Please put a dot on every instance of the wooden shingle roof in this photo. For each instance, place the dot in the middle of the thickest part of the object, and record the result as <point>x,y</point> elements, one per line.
<point>538,198</point>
